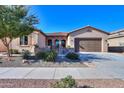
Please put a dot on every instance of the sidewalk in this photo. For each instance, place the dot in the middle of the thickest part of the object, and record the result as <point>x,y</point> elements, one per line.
<point>58,73</point>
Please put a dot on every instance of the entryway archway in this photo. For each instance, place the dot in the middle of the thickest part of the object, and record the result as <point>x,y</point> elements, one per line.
<point>57,43</point>
<point>63,43</point>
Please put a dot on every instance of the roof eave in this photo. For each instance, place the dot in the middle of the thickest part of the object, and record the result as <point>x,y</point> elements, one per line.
<point>41,32</point>
<point>92,28</point>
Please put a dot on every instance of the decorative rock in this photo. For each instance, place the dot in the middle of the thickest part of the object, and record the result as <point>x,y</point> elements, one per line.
<point>25,61</point>
<point>90,64</point>
<point>8,59</point>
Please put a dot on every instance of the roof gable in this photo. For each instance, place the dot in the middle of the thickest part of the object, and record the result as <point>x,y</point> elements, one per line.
<point>90,27</point>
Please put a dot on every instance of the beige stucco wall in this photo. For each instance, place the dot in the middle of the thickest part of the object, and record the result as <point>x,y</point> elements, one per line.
<point>16,44</point>
<point>84,33</point>
<point>41,40</point>
<point>116,41</point>
<point>2,47</point>
<point>33,39</point>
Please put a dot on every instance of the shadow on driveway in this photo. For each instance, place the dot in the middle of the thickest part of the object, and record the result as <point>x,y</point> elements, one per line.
<point>94,57</point>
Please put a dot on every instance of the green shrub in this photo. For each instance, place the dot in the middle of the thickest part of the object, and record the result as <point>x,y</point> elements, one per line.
<point>72,56</point>
<point>47,56</point>
<point>26,54</point>
<point>14,51</point>
<point>51,56</point>
<point>41,55</point>
<point>68,47</point>
<point>36,46</point>
<point>67,82</point>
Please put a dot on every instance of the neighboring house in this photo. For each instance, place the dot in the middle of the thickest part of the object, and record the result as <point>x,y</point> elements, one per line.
<point>87,39</point>
<point>116,41</point>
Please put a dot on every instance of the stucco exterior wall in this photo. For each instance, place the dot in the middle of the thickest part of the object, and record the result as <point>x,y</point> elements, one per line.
<point>119,41</point>
<point>2,47</point>
<point>16,44</point>
<point>116,39</point>
<point>34,38</point>
<point>88,33</point>
<point>41,40</point>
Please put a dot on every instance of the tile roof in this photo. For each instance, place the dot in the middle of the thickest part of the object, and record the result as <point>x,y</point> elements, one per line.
<point>57,34</point>
<point>40,31</point>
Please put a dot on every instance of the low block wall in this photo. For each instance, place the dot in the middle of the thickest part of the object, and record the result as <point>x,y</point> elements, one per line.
<point>116,49</point>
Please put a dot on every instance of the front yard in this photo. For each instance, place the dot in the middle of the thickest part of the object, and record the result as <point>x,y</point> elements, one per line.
<point>17,62</point>
<point>82,60</point>
<point>41,59</point>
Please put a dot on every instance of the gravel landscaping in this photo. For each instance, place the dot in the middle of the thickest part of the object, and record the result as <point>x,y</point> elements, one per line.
<point>17,62</point>
<point>31,83</point>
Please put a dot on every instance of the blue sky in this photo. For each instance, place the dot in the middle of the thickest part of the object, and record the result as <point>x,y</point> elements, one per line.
<point>68,18</point>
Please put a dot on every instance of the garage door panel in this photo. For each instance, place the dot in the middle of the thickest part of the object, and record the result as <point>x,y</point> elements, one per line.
<point>88,45</point>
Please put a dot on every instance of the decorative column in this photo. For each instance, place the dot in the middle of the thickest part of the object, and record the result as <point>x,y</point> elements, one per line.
<point>59,43</point>
<point>53,43</point>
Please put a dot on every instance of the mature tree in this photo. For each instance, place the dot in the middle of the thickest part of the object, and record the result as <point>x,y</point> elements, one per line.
<point>15,21</point>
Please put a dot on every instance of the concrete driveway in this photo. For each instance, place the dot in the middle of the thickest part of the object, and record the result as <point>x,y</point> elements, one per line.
<point>107,66</point>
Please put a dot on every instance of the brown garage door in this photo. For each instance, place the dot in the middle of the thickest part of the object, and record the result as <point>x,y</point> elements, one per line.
<point>88,44</point>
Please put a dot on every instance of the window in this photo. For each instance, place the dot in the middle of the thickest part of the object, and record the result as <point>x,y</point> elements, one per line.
<point>24,40</point>
<point>49,42</point>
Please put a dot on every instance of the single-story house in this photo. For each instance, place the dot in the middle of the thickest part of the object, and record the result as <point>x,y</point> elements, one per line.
<point>116,41</point>
<point>87,39</point>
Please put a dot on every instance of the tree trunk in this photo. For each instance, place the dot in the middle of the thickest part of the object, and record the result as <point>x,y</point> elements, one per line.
<point>8,51</point>
<point>7,43</point>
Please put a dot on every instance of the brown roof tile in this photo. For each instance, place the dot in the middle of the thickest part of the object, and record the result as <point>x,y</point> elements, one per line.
<point>57,34</point>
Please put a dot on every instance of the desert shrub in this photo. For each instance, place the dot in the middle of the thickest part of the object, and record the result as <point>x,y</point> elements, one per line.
<point>26,54</point>
<point>72,56</point>
<point>41,55</point>
<point>14,51</point>
<point>47,56</point>
<point>67,82</point>
<point>36,46</point>
<point>51,56</point>
<point>68,46</point>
